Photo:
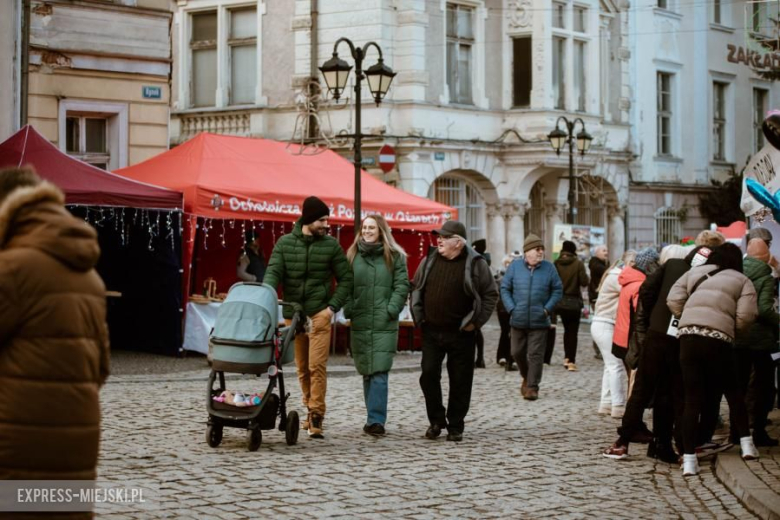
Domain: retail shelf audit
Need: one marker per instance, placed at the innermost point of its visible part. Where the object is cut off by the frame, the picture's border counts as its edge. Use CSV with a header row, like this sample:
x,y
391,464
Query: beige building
x,y
99,78
10,45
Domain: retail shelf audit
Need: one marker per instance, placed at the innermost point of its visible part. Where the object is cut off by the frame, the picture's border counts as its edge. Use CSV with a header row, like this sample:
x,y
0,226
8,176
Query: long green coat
x,y
763,332
378,297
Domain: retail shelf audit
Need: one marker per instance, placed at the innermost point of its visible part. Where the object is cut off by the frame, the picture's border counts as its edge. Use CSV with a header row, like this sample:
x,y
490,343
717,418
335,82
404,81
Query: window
x,y
559,61
719,121
86,139
466,198
664,113
522,71
558,16
663,4
579,75
580,19
460,42
668,228
243,56
203,45
759,109
232,81
716,11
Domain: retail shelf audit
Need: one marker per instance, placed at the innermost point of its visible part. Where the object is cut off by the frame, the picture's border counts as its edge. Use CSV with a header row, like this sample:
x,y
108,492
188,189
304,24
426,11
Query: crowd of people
x,y
676,331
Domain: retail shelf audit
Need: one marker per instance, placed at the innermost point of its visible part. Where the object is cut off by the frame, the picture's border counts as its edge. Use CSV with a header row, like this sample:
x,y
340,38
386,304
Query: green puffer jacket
x,y
763,332
378,298
305,266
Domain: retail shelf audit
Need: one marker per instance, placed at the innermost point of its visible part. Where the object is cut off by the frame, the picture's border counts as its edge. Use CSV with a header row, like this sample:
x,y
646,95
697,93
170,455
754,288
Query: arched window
x,y
534,217
591,201
668,228
466,198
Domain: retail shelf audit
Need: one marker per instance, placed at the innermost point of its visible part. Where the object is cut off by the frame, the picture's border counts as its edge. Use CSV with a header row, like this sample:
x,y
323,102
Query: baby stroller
x,y
246,340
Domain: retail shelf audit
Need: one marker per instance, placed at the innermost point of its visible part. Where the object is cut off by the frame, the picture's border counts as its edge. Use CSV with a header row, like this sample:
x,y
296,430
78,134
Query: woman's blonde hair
x,y
674,251
627,258
385,237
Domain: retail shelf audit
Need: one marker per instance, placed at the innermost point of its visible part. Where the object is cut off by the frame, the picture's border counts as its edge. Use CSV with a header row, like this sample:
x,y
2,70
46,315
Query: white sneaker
x,y
749,451
690,465
502,362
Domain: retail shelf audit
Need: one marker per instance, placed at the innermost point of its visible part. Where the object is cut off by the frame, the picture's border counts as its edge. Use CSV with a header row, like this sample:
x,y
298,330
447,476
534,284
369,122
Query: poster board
x,y
585,237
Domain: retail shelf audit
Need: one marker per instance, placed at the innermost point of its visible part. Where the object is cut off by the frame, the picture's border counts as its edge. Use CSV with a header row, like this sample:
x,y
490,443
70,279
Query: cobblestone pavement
x,y
519,459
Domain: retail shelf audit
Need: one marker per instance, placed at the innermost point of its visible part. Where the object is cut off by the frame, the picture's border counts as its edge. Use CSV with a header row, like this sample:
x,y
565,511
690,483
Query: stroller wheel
x,y
254,437
291,431
213,435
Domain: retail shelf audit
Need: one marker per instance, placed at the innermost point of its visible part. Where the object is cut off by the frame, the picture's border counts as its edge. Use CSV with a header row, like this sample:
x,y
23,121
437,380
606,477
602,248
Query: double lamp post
x,y
558,138
379,76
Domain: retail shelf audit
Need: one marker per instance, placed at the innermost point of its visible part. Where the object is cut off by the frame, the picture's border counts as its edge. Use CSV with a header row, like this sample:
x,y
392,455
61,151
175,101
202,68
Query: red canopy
x,y
81,182
242,178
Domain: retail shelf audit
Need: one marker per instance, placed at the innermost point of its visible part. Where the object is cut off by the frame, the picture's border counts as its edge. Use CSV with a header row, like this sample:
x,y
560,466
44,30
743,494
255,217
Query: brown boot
x,y
531,394
305,424
523,388
315,426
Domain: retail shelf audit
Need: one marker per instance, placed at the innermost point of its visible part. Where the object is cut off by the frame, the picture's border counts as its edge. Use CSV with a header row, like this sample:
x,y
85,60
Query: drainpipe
x,y
25,62
314,72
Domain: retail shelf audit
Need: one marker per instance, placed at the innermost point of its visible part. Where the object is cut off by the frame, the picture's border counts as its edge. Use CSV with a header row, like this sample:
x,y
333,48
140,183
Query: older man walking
x,y
530,289
454,295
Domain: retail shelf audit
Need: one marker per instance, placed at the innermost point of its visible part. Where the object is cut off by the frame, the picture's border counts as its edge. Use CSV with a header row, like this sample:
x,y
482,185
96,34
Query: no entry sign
x,y
387,158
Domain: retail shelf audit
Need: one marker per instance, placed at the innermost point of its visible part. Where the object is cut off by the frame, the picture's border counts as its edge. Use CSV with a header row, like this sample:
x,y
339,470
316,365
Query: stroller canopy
x,y
249,314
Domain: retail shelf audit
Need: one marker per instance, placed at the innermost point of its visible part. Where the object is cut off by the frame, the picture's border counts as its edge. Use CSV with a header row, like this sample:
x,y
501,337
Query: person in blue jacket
x,y
530,289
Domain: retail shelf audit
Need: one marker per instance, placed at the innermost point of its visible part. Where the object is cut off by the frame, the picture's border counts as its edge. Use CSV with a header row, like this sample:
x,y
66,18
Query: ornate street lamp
x,y
558,138
379,76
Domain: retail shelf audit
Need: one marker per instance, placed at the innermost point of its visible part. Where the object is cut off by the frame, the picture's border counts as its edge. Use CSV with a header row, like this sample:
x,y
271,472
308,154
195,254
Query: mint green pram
x,y
247,340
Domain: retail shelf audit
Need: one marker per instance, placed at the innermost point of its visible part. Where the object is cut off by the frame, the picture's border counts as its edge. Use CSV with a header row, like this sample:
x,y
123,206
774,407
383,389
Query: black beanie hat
x,y
569,247
313,209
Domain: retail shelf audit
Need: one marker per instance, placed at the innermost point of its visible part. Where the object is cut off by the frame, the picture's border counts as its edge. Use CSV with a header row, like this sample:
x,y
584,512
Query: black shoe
x,y
480,363
433,431
642,437
455,436
662,451
376,429
761,438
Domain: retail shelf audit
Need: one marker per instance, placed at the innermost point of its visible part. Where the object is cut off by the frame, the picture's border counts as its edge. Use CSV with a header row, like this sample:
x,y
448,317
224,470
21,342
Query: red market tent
x,y
228,177
82,183
237,178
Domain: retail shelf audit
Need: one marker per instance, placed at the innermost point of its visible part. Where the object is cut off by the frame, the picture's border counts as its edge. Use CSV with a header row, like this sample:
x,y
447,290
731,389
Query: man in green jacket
x,y
305,262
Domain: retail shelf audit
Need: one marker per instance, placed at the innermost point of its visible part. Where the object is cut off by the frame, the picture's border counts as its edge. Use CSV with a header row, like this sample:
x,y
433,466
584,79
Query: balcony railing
x,y
235,123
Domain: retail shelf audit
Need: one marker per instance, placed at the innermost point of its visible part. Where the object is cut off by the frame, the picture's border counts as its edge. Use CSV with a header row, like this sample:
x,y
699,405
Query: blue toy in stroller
x,y
247,340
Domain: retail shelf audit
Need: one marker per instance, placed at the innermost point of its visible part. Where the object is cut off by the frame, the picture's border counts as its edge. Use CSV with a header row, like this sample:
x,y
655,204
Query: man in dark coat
x,y
306,262
454,295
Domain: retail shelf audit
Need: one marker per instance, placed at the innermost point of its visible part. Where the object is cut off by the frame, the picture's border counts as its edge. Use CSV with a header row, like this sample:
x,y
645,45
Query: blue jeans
x,y
375,394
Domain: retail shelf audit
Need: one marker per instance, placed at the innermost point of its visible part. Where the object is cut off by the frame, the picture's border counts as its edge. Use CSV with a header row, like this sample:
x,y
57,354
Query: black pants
x,y
708,373
571,327
458,348
760,363
658,379
479,343
504,341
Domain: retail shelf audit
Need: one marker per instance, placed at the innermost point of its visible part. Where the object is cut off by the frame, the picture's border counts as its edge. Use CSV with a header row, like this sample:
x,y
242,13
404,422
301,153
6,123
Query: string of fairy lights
x,y
166,225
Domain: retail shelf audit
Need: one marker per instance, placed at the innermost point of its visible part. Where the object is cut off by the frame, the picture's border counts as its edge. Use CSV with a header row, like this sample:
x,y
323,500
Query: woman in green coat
x,y
381,284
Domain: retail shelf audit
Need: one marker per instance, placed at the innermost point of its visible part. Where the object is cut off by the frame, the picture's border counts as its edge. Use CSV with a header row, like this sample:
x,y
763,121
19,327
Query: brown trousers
x,y
311,358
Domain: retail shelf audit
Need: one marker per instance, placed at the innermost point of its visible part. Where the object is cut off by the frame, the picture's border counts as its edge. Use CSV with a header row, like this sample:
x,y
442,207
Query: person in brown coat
x,y
54,353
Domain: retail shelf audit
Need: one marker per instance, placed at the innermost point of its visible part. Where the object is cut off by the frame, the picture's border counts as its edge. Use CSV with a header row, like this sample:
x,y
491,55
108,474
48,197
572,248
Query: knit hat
x,y
645,257
757,249
313,209
532,242
569,247
762,233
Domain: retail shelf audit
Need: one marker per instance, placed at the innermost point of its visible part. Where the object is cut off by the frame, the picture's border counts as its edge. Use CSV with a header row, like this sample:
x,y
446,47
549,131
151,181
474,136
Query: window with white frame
x,y
759,109
663,4
719,121
580,21
237,43
86,138
460,46
558,64
203,48
668,227
664,113
466,198
559,15
579,75
717,13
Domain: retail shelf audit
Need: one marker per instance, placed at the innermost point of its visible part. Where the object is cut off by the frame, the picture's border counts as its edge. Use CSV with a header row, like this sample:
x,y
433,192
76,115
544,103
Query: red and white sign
x,y
387,158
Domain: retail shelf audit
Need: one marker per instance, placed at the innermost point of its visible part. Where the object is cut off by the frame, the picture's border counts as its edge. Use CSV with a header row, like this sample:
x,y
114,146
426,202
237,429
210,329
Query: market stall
x,y
138,228
236,185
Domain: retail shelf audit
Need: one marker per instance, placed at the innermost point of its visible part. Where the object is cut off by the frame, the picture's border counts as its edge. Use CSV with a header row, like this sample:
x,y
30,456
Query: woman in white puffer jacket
x,y
614,381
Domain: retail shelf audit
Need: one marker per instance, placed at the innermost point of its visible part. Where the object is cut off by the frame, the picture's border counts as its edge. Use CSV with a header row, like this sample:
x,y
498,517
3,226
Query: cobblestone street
x,y
519,459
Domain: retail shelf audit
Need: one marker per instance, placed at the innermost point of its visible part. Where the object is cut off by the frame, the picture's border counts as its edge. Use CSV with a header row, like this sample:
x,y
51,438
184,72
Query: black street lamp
x,y
558,138
379,77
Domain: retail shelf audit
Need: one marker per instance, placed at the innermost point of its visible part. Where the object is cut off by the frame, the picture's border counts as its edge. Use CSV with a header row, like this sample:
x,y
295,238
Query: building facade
x,y
703,77
99,78
480,84
10,67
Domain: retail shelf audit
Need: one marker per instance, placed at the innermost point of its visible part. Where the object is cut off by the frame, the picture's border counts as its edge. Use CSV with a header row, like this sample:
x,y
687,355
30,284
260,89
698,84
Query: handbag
x,y
569,303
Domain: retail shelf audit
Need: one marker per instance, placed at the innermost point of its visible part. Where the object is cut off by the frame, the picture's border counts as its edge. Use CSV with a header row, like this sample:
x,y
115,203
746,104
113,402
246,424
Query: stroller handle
x,y
297,312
